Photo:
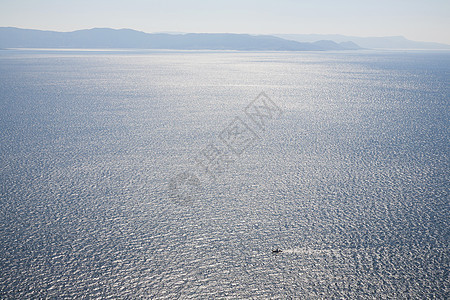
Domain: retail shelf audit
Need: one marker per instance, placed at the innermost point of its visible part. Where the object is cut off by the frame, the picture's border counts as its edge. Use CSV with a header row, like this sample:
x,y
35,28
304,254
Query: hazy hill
x,y
331,45
389,42
11,37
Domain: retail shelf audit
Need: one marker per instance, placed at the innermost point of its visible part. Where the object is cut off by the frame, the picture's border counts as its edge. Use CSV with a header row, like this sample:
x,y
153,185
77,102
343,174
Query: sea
x,y
144,174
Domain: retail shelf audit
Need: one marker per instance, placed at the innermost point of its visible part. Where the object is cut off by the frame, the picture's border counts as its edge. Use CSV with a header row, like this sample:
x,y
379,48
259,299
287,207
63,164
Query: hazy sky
x,y
422,20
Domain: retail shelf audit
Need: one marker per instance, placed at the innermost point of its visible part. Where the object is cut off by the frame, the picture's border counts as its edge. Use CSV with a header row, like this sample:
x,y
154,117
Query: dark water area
x,y
350,178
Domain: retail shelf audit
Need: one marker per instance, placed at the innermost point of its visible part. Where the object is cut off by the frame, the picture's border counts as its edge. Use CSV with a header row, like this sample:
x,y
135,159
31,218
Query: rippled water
x,y
351,181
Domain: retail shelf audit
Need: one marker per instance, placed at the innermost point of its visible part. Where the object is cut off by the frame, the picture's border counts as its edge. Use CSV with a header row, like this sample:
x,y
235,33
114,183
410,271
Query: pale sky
x,y
421,20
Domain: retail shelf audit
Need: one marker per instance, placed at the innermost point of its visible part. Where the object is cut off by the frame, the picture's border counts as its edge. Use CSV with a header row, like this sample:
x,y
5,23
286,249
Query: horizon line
x,y
240,33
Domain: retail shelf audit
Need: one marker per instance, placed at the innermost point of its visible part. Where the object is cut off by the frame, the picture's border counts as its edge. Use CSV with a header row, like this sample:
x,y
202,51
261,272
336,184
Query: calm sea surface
x,y
350,177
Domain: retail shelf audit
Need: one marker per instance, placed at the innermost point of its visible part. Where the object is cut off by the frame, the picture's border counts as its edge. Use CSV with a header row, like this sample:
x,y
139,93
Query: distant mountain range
x,y
388,42
106,38
102,38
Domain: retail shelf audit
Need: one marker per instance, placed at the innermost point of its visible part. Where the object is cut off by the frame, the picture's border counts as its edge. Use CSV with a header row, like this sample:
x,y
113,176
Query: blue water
x,y
351,180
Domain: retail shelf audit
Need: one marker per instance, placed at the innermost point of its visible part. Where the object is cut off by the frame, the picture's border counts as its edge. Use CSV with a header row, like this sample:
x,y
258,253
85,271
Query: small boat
x,y
277,251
